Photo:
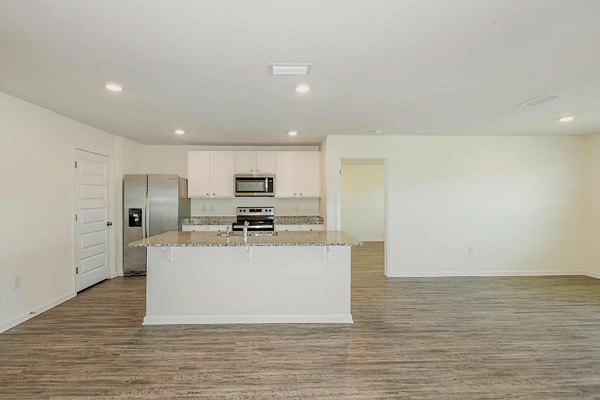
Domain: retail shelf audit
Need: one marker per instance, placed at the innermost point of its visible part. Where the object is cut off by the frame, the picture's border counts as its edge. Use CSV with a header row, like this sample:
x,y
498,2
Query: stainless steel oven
x,y
256,219
255,185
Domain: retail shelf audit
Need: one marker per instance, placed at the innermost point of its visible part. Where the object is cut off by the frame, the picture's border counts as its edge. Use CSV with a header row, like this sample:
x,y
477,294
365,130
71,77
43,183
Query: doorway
x,y
363,202
93,209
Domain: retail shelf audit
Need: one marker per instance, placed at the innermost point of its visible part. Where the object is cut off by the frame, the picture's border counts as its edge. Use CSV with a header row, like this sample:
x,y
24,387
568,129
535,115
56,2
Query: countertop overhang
x,y
284,238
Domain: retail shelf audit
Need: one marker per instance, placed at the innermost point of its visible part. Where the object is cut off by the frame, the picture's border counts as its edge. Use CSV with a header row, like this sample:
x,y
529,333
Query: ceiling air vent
x,y
289,69
541,100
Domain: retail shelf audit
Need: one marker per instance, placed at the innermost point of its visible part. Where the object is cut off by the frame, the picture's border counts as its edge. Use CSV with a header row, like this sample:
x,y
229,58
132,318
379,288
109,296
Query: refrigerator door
x,y
163,204
134,217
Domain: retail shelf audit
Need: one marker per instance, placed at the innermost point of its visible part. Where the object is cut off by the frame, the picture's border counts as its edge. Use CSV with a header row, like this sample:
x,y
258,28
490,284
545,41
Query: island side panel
x,y
262,284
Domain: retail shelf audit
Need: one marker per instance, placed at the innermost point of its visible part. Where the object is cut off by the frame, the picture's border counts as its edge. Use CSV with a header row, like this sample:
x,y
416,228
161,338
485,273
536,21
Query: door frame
x,y
386,205
111,212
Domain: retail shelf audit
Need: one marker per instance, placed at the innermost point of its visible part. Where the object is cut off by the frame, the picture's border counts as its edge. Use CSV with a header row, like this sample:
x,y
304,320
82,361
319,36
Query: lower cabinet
x,y
310,227
204,228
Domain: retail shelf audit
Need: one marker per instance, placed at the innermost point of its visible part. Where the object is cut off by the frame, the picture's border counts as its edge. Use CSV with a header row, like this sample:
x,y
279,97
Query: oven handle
x,y
253,226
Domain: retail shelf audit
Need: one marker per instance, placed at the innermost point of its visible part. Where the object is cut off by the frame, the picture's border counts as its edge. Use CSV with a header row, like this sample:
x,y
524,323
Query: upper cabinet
x,y
255,162
198,164
298,174
308,173
221,173
211,174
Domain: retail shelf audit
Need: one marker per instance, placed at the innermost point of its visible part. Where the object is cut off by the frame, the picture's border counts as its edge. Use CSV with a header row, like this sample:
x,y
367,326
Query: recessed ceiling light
x,y
566,119
179,131
113,87
302,88
292,133
289,69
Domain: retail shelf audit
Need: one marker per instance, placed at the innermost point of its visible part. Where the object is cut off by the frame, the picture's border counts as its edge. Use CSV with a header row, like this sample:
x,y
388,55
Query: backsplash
x,y
219,207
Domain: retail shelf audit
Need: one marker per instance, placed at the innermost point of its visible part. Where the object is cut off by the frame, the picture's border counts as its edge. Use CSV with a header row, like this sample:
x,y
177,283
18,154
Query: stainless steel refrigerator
x,y
152,204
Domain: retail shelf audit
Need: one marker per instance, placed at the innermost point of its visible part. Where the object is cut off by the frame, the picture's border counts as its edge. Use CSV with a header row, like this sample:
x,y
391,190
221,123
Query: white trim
x,y
112,237
19,319
387,256
249,319
452,274
592,274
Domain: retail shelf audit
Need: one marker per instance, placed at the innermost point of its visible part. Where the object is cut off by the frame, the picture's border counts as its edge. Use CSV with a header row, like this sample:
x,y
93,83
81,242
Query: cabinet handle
x,y
294,194
214,194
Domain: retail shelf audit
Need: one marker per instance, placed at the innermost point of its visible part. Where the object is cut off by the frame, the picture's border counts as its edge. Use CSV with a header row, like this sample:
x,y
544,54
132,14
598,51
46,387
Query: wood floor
x,y
436,338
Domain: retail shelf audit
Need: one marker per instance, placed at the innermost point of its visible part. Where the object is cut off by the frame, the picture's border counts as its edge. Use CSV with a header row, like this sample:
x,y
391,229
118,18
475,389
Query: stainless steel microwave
x,y
254,185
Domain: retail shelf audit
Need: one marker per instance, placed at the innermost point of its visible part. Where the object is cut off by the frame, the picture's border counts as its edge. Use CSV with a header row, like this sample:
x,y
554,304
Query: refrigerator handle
x,y
145,219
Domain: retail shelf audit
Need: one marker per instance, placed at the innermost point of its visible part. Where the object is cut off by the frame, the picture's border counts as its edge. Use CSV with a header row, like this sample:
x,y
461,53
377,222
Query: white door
x,y
244,162
265,162
222,166
308,174
198,173
285,174
92,223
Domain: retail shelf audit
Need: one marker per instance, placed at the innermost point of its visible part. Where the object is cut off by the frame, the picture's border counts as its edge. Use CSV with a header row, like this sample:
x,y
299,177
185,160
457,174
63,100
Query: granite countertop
x,y
279,220
203,239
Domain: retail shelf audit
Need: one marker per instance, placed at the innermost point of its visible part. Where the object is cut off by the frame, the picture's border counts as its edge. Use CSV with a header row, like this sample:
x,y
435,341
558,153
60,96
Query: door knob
x,y
109,223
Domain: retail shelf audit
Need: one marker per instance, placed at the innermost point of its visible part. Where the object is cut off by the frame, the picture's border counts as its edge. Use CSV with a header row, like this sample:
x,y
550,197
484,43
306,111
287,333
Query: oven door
x,y
255,226
253,186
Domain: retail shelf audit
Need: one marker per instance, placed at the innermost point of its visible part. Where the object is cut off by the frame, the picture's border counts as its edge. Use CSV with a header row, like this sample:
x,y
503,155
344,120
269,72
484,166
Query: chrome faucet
x,y
246,223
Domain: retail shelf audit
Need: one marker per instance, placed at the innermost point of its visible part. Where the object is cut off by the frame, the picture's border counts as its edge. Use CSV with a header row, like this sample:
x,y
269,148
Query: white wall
x,y
173,160
593,207
282,206
363,198
37,206
517,201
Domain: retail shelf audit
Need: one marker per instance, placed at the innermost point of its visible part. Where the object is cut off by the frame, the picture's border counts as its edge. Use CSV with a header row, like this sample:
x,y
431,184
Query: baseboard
x,y
592,274
248,319
19,319
483,274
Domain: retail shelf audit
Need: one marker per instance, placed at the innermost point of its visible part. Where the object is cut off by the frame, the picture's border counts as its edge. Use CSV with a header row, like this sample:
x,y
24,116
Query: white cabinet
x,y
252,162
218,228
308,173
308,227
194,228
204,228
222,174
265,162
198,164
211,174
298,174
285,174
286,227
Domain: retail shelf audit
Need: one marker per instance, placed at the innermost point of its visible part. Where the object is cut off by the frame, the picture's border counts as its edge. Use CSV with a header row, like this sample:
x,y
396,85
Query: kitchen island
x,y
208,278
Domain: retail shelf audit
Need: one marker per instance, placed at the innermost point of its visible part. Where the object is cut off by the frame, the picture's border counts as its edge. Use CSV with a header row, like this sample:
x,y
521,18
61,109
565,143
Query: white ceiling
x,y
405,67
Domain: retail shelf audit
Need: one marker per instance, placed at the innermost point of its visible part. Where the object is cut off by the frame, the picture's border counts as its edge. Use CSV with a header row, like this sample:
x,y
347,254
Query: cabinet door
x,y
286,227
218,228
244,162
285,174
265,162
222,165
198,173
308,173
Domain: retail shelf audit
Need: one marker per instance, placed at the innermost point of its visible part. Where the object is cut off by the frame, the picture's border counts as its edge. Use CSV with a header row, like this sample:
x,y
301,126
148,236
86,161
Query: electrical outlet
x,y
470,250
204,207
18,282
